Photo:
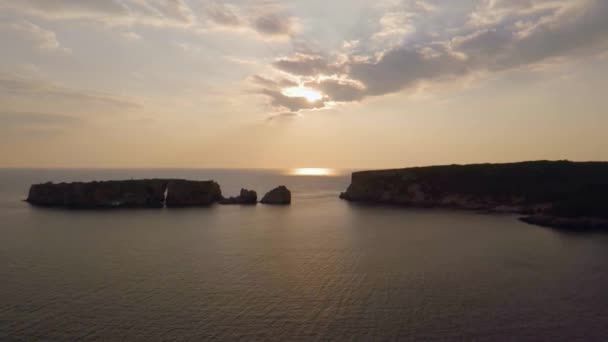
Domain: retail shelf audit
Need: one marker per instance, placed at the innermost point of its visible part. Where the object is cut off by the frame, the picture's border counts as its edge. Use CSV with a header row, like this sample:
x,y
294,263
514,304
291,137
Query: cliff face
x,y
185,193
109,194
147,193
568,189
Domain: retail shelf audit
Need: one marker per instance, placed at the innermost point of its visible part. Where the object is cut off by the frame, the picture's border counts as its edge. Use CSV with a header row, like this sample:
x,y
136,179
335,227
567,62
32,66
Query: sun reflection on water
x,y
311,171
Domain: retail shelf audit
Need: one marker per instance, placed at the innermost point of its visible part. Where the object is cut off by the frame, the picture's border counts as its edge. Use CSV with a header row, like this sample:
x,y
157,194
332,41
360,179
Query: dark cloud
x,y
564,32
267,20
274,24
282,117
339,90
273,89
293,104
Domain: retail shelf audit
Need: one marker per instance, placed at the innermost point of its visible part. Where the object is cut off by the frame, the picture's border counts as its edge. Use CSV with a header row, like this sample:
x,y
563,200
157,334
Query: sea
x,y
321,269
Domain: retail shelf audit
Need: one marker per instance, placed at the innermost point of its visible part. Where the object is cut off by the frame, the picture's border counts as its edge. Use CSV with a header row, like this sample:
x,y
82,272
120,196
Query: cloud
x,y
109,12
29,119
133,36
69,9
306,65
42,39
36,125
293,104
395,28
275,24
339,90
264,20
526,32
274,90
223,14
272,84
493,12
281,117
15,87
267,20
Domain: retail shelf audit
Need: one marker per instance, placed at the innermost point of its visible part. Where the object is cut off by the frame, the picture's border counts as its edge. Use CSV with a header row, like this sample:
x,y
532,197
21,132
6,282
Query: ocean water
x,y
320,269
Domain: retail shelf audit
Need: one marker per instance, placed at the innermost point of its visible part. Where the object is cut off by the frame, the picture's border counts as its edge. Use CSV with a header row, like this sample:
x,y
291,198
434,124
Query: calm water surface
x,y
321,269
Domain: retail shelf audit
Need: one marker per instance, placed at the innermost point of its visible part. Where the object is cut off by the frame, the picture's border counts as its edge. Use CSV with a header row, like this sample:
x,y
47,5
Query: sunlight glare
x,y
311,171
309,94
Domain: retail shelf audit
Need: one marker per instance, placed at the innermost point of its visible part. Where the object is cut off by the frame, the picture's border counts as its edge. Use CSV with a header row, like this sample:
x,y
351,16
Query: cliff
x,y
146,193
185,193
547,189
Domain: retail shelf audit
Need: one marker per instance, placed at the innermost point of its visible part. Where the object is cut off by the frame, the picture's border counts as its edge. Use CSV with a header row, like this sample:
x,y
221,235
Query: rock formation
x,y
280,195
146,193
186,193
573,223
542,189
245,197
149,193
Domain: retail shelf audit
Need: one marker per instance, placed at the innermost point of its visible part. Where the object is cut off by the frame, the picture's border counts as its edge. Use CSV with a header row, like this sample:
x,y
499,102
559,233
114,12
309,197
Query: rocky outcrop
x,y
146,193
109,194
279,196
186,193
571,223
558,189
245,197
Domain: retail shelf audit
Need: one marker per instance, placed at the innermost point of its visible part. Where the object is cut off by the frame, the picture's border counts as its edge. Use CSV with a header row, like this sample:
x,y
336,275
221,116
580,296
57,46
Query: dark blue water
x,y
321,269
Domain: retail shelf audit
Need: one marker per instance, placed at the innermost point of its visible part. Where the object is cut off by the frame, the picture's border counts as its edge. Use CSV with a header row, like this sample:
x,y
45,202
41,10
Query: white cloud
x,y
41,38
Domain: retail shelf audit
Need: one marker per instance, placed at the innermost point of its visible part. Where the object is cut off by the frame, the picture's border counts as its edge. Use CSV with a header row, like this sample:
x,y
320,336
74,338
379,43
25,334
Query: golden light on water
x,y
312,171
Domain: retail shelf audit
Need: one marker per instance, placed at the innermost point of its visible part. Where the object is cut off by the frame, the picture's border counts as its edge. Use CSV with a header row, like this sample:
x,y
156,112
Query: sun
x,y
309,94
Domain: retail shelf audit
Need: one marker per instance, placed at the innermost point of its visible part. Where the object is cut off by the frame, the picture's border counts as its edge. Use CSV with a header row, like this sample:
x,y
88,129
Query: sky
x,y
285,84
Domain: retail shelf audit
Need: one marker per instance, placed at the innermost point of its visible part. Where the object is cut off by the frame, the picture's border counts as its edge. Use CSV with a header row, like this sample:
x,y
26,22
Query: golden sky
x,y
282,84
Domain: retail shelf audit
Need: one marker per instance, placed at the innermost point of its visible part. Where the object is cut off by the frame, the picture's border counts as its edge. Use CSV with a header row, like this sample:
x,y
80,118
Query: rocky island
x,y
559,194
277,196
245,197
144,193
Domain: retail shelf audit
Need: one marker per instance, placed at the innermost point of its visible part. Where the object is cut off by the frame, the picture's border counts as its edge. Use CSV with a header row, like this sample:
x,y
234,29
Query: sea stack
x,y
278,196
245,197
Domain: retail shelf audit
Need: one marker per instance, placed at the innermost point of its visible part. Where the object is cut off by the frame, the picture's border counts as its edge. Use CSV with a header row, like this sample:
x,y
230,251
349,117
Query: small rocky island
x,y
144,193
277,196
561,194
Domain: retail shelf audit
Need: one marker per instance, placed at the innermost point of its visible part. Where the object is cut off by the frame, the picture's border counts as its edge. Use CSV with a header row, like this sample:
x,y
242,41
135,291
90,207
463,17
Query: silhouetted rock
x,y
185,193
148,193
553,190
279,195
569,223
245,197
